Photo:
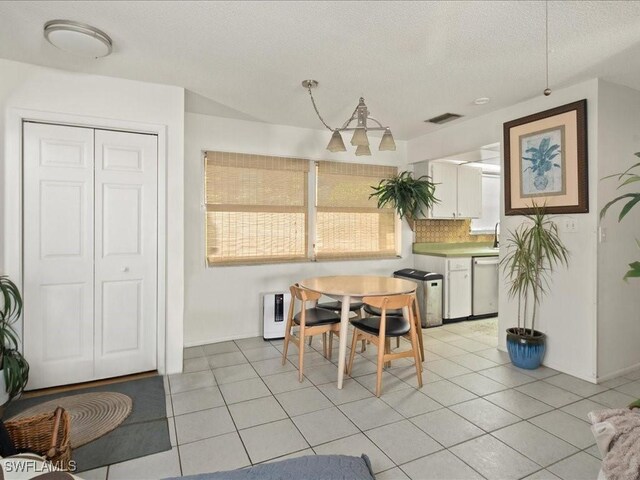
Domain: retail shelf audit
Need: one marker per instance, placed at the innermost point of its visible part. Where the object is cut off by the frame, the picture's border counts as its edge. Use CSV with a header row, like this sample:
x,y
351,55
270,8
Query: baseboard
x,y
483,316
240,336
618,373
561,370
572,373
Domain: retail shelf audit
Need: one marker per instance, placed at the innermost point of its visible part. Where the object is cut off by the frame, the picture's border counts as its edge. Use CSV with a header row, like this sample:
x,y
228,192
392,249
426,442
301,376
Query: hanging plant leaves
x,y
409,196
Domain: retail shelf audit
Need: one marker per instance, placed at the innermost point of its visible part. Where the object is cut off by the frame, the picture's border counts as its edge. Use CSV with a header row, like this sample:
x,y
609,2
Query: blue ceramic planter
x,y
526,351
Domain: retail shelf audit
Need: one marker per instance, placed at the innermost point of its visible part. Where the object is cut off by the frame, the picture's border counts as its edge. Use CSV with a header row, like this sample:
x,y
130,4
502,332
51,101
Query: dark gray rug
x,y
144,432
309,467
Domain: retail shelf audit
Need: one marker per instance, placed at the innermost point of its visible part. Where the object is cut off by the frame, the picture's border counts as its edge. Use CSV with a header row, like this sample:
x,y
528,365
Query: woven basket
x,y
46,434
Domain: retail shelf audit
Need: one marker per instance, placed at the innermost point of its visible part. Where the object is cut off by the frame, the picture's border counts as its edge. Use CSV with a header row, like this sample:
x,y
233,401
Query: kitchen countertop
x,y
468,249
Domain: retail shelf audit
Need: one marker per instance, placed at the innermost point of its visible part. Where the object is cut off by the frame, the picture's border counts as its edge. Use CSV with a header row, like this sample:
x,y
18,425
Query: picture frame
x,y
545,161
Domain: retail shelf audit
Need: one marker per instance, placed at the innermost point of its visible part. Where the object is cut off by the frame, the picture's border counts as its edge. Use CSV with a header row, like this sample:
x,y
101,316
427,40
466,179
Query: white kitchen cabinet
x,y
457,282
469,192
458,189
445,175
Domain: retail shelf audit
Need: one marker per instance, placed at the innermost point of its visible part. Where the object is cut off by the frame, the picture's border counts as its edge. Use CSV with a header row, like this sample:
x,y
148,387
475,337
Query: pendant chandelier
x,y
359,139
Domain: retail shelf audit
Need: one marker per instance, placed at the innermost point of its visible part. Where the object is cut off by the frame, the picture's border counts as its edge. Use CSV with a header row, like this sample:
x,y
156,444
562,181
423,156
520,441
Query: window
x,y
256,208
348,222
490,205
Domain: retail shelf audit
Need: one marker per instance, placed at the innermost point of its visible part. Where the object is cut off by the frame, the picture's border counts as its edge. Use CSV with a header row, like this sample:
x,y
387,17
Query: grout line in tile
x,y
175,429
283,409
360,431
552,434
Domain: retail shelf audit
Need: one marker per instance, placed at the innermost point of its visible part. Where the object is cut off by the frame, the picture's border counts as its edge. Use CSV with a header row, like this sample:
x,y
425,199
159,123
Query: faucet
x,y
495,236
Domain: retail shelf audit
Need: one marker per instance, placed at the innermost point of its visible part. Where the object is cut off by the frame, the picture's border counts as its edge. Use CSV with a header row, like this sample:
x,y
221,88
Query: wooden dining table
x,y
348,288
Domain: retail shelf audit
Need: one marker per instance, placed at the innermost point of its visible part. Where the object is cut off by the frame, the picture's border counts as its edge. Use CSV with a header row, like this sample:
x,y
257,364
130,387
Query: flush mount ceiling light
x,y
481,100
78,38
359,139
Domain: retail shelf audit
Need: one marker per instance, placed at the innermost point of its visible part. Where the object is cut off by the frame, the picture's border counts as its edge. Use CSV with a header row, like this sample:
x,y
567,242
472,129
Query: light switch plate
x,y
568,225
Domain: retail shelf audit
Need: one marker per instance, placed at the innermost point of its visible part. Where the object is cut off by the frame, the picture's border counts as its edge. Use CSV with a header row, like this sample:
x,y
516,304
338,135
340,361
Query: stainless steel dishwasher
x,y
485,287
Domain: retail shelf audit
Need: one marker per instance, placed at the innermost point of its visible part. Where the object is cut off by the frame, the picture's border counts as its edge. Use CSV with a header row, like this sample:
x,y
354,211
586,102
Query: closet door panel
x,y
58,253
126,253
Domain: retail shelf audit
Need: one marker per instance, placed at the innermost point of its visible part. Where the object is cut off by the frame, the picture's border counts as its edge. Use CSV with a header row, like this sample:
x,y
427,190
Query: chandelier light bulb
x,y
336,144
387,142
360,137
363,150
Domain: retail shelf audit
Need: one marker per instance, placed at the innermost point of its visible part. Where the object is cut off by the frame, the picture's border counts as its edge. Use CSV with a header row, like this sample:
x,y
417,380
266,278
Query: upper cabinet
x,y
458,189
469,192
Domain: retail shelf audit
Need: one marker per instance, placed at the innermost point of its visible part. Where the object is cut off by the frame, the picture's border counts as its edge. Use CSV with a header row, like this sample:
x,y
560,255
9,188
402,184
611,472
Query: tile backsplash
x,y
451,231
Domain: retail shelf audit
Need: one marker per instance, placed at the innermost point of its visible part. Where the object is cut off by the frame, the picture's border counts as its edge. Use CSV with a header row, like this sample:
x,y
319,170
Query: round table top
x,y
358,285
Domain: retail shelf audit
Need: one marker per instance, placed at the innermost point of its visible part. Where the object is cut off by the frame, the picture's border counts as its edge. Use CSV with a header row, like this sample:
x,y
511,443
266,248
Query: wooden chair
x,y
336,307
397,312
379,329
311,321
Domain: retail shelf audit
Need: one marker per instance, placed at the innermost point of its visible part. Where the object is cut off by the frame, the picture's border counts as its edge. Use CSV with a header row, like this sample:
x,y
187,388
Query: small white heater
x,y
276,308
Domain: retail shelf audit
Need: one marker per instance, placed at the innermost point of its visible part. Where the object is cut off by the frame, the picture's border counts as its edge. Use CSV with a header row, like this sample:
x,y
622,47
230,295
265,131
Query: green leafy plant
x,y
626,178
14,365
409,196
534,249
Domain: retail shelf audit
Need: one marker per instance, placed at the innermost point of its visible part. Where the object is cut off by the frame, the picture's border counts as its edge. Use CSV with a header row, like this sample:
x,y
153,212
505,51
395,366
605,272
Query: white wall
x,y
223,302
618,301
568,313
95,100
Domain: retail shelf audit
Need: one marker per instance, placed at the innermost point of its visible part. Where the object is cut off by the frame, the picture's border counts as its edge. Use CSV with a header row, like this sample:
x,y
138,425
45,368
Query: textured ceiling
x,y
410,60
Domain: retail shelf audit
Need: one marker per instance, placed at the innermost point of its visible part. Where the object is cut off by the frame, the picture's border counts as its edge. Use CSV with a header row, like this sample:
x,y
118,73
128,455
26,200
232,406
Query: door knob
x,y
125,269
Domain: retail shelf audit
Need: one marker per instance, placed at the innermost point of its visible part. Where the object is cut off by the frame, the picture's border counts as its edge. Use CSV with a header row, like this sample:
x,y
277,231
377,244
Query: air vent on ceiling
x,y
444,118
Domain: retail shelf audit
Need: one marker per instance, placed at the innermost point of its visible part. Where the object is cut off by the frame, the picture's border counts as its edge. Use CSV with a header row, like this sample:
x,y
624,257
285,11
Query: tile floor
x,y
475,417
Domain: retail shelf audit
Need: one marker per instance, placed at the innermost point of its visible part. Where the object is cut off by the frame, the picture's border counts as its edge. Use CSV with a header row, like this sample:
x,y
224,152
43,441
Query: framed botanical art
x,y
545,161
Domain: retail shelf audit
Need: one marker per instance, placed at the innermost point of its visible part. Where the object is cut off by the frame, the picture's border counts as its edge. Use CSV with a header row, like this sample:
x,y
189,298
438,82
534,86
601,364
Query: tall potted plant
x,y
409,196
14,369
534,249
628,177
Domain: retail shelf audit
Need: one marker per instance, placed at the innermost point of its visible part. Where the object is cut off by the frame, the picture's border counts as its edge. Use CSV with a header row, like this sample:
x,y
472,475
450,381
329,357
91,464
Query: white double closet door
x,y
90,253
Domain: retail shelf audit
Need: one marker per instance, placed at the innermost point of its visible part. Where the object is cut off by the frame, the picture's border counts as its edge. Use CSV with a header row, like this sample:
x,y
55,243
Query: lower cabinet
x,y
457,282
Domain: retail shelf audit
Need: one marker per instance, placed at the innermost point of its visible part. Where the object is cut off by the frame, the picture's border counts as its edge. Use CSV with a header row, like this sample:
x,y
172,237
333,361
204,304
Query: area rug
x,y
485,327
92,414
143,432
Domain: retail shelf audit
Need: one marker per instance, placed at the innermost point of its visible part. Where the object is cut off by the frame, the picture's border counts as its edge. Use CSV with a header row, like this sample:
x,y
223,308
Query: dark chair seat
x,y
396,326
376,312
337,306
317,316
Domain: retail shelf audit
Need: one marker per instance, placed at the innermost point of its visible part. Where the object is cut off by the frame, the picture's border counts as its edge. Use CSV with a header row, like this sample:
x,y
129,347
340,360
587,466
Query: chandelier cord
x,y
546,22
316,109
353,115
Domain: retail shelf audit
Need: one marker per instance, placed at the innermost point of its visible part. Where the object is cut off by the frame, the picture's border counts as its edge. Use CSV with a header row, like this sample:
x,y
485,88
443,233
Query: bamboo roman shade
x,y
348,223
256,208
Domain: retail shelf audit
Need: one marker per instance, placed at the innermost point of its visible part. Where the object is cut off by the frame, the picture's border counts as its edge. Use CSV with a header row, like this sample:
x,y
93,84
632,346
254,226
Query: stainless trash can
x,y
429,293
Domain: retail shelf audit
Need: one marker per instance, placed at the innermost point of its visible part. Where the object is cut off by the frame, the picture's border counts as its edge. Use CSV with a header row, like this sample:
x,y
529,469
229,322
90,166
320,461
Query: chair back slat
x,y
303,294
389,302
